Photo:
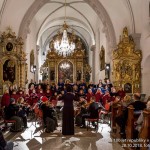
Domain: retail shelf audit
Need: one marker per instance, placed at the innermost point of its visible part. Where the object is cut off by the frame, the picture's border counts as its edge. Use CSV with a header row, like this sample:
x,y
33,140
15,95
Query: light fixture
x,y
107,66
34,68
64,45
107,71
65,65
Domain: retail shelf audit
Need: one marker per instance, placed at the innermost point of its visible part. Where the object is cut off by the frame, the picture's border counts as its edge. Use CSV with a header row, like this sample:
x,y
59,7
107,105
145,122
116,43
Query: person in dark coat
x,y
4,145
92,112
68,112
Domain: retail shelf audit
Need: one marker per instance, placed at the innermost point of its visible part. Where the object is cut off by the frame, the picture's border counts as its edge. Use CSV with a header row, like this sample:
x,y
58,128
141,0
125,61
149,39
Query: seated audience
x,y
139,122
122,119
126,101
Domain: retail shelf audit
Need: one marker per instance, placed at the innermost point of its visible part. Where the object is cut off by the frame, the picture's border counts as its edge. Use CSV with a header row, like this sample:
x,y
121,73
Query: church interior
x,y
97,50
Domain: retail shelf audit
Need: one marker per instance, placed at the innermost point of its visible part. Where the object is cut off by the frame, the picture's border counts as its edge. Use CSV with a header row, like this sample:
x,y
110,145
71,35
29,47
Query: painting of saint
x,y
128,88
102,58
65,71
52,75
9,71
79,74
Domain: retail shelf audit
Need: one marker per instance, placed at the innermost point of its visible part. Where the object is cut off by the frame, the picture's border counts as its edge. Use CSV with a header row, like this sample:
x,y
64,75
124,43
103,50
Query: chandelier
x,y
65,66
64,45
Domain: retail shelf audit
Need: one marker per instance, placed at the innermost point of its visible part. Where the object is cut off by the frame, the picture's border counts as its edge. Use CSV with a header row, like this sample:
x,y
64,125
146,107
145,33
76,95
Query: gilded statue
x,y
79,44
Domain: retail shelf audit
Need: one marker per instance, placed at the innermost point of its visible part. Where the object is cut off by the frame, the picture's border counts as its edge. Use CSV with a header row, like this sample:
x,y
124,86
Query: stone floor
x,y
34,138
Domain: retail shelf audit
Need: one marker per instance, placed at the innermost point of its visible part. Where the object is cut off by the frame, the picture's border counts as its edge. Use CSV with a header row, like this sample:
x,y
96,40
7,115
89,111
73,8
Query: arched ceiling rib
x,y
2,6
33,6
94,5
53,30
59,11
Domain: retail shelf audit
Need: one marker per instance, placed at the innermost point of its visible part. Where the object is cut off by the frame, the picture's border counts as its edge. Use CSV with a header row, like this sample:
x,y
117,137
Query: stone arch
x,y
95,4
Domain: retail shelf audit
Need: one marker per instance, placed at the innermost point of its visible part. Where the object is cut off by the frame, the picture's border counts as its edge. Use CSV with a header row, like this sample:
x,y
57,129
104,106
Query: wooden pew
x,y
130,123
145,130
116,111
132,118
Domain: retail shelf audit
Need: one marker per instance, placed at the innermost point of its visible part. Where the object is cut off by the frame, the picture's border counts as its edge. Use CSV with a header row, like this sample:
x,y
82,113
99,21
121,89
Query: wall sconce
x,y
34,68
107,71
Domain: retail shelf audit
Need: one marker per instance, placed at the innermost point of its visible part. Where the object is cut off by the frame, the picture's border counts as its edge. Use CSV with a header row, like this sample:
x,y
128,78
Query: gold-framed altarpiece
x,y
75,61
127,64
13,66
78,70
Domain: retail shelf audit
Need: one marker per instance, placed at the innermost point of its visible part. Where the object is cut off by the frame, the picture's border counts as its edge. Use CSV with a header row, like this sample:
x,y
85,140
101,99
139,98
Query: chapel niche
x,y
78,67
127,64
13,61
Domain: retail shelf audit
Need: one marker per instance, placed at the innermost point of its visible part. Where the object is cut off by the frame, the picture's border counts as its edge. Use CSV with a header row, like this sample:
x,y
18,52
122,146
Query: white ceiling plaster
x,y
89,12
49,17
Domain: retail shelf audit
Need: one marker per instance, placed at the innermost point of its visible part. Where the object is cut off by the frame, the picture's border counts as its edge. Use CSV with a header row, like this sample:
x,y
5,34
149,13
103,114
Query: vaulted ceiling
x,y
84,16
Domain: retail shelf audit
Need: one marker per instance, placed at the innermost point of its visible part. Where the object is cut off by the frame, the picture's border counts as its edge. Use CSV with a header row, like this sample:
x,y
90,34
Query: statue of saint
x,y
87,76
32,58
125,32
102,58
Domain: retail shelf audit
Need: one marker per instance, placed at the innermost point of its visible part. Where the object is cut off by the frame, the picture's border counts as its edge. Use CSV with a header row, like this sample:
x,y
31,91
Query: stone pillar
x,y
37,63
136,38
93,48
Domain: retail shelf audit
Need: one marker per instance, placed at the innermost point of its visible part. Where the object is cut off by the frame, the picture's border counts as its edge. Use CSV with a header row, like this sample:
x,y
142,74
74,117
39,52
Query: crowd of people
x,y
80,100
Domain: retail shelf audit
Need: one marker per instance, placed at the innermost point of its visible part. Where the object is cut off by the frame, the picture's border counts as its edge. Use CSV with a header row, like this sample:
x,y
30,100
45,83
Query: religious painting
x,y
79,75
65,71
32,60
52,75
102,58
128,88
9,46
9,71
